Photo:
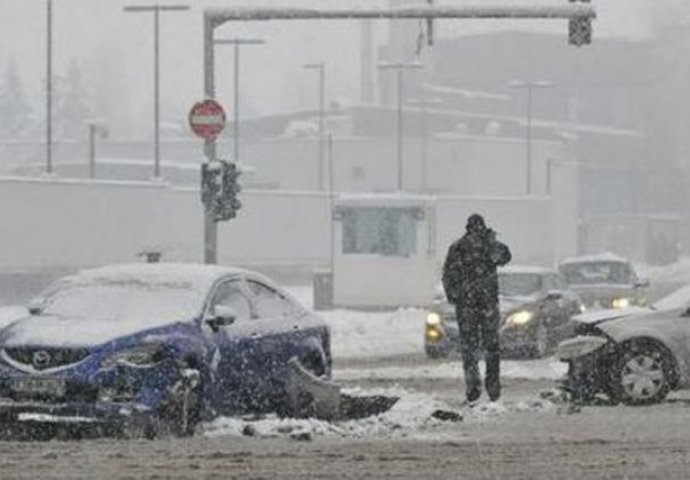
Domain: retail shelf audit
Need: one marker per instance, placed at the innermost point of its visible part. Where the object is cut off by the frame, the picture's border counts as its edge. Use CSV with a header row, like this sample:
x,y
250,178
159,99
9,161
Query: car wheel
x,y
640,374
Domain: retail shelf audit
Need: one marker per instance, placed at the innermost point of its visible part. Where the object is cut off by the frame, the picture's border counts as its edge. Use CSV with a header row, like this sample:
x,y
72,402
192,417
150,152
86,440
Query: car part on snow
x,y
312,396
309,395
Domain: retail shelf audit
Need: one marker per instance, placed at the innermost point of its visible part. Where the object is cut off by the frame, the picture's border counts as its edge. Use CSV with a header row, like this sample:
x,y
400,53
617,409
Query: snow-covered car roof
x,y
525,269
600,257
197,277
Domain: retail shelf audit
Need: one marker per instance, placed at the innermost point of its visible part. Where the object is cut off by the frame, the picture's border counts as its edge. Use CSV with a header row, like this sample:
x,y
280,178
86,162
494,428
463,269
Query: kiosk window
x,y
383,231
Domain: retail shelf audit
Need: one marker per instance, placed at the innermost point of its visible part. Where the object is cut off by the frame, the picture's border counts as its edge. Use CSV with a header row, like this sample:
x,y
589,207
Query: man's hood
x,y
54,331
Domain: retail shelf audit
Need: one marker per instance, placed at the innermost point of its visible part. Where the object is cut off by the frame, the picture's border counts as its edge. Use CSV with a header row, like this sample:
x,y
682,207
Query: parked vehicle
x,y
604,281
154,348
636,357
535,311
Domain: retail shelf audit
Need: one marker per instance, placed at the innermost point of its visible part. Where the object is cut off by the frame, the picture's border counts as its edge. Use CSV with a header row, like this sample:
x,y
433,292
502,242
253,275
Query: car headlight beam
x,y
433,319
521,317
621,302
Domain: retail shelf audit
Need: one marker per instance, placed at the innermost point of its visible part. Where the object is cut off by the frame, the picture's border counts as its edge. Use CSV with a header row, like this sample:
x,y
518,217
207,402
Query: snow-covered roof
x,y
197,277
599,257
524,269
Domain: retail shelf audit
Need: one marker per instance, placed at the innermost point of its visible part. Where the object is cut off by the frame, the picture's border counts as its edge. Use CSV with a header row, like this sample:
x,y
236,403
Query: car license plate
x,y
46,386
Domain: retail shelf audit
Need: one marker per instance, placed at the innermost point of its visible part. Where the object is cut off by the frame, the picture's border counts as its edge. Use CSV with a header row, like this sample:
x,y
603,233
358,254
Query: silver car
x,y
636,357
535,314
604,281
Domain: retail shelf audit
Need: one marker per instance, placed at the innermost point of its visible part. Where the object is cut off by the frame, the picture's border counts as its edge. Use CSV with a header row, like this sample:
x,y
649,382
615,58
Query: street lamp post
x,y
156,9
95,128
529,86
49,87
321,69
236,43
424,135
399,68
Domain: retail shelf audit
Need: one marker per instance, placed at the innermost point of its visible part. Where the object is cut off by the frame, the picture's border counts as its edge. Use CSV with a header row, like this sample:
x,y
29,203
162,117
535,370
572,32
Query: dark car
x,y
535,313
636,357
604,281
153,348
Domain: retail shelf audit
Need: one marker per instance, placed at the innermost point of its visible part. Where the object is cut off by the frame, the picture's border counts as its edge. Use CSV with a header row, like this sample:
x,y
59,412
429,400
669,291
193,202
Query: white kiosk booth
x,y
384,251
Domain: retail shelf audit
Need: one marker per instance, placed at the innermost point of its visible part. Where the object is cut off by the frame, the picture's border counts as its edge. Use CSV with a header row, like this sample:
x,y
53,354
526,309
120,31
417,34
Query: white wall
x,y
59,223
50,223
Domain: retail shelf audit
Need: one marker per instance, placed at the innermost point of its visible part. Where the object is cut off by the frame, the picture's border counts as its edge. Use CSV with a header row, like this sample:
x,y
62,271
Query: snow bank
x,y
544,369
411,416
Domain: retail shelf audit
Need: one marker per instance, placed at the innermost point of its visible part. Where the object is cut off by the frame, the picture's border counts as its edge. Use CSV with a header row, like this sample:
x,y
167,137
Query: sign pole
x,y
210,227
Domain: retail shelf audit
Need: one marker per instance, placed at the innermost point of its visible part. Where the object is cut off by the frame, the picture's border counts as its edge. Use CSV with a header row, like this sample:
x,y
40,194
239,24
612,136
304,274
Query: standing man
x,y
471,283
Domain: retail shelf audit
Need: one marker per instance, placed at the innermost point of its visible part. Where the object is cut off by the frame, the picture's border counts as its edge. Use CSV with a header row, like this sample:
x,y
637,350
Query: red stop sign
x,y
207,119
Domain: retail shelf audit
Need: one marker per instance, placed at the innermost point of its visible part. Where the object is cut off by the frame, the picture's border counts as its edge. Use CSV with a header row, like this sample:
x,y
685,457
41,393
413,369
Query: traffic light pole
x,y
210,226
215,17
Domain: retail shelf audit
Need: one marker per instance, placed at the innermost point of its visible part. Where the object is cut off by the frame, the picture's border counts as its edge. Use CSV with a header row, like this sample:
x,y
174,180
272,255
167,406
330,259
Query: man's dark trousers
x,y
478,324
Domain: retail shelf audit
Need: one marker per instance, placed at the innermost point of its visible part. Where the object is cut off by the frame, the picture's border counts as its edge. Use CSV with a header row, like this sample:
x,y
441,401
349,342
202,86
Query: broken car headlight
x,y
579,346
519,318
141,356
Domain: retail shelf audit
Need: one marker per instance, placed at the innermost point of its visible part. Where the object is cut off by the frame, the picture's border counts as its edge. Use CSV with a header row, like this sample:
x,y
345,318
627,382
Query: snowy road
x,y
523,436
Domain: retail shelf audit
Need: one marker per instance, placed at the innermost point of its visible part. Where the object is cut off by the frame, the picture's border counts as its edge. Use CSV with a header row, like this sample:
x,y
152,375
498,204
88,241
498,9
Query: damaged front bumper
x,y
588,368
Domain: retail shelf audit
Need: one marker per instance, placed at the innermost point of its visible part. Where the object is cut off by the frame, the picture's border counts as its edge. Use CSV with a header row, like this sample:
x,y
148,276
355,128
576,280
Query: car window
x,y
231,295
519,284
268,303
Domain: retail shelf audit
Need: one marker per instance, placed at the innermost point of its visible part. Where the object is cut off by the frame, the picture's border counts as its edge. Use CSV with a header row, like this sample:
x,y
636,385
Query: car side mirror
x,y
222,316
34,308
642,283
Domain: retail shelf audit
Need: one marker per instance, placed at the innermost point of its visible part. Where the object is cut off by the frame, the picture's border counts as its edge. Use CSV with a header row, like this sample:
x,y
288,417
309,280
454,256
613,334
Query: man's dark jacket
x,y
469,272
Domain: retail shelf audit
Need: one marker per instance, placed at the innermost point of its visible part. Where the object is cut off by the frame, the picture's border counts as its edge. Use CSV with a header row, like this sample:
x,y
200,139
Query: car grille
x,y
42,358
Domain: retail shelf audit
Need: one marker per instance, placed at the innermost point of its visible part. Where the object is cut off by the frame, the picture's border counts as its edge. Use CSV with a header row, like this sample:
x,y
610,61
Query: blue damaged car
x,y
154,348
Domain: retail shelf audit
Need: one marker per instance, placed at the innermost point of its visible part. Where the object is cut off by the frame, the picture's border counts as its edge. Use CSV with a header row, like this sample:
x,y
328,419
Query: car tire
x,y
641,374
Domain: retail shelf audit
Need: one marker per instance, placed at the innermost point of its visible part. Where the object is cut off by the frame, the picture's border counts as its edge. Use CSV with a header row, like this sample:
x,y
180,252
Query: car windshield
x,y
518,284
593,273
122,301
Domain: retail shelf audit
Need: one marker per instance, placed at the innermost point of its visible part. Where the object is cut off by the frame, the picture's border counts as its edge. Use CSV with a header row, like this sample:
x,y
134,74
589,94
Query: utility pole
x,y
424,138
49,87
321,69
156,10
236,43
529,86
399,69
95,128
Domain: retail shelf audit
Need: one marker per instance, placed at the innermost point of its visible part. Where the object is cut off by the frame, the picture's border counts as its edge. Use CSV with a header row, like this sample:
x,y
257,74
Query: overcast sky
x,y
115,49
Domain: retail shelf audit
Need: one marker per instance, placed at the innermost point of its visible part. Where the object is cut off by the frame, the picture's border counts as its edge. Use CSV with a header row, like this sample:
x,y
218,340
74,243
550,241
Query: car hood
x,y
54,331
506,304
509,303
655,324
598,316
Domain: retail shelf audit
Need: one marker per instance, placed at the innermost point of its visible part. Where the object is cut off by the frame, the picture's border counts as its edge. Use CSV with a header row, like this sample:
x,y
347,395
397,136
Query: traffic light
x,y
580,28
229,204
219,189
210,183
